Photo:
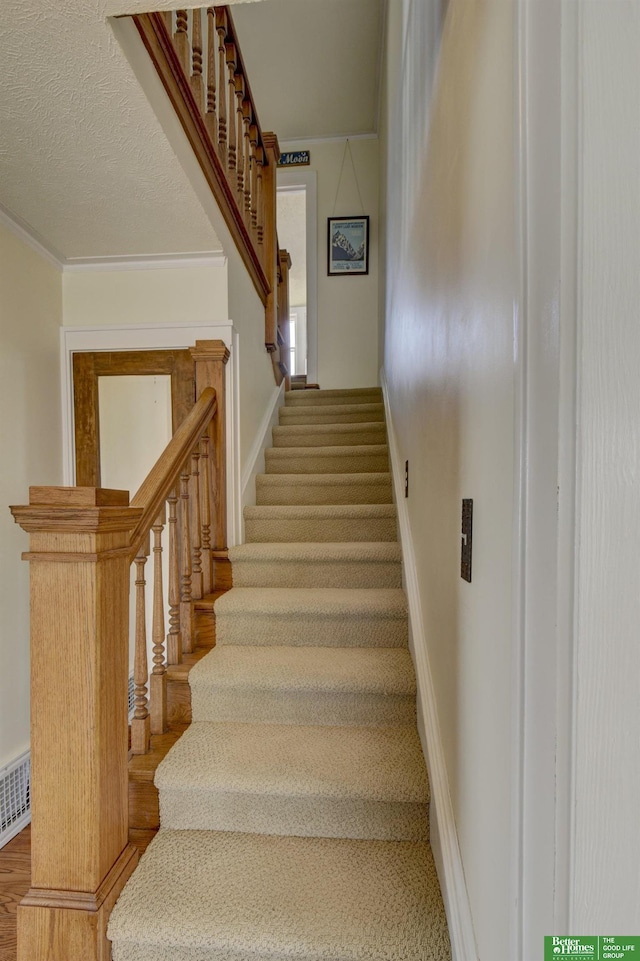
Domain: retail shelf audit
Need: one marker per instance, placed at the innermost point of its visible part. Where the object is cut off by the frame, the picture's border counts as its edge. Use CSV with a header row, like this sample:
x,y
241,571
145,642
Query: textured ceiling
x,y
83,160
84,163
313,65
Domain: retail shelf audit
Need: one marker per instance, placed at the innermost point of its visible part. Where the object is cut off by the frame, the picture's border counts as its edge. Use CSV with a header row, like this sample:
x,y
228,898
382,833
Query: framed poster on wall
x,y
348,246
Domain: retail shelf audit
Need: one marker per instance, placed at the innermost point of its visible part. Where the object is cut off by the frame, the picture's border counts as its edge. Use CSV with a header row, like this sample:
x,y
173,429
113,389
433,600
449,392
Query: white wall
x,y
605,889
257,382
30,453
348,333
449,360
177,295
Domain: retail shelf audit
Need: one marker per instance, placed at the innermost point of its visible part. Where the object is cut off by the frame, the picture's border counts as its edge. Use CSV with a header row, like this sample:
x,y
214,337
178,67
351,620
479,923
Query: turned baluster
x,y
259,194
231,127
140,723
186,610
174,637
246,118
210,117
197,83
196,528
239,89
205,507
158,679
253,141
221,28
181,39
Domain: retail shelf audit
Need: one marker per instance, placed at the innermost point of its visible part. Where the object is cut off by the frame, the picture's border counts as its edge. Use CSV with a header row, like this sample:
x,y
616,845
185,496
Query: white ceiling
x,y
313,65
84,163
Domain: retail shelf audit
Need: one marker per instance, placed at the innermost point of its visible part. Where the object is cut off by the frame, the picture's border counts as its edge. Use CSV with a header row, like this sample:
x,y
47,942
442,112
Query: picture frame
x,y
348,246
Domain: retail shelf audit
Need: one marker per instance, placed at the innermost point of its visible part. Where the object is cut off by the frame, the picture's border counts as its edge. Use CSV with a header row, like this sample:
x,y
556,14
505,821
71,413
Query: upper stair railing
x,y
198,58
83,541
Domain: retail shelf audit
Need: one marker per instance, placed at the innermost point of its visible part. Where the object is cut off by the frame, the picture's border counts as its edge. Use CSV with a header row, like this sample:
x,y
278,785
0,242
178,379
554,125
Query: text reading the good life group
x,y
596,948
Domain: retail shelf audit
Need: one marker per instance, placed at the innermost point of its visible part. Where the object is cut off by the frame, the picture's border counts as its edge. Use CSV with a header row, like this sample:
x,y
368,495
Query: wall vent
x,y
15,797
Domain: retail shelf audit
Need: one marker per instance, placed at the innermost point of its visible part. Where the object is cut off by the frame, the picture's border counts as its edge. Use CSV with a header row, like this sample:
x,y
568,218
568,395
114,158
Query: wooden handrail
x,y
162,477
201,67
189,67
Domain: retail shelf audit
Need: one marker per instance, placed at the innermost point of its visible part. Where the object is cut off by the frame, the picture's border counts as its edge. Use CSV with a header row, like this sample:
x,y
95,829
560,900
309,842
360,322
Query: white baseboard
x,y
444,837
255,460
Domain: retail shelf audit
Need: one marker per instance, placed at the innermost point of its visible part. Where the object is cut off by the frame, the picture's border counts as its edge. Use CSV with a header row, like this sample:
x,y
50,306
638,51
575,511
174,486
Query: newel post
x,y
81,859
210,358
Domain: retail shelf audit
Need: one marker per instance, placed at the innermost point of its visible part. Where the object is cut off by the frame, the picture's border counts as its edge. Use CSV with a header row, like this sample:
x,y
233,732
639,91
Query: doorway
x,y
297,233
129,386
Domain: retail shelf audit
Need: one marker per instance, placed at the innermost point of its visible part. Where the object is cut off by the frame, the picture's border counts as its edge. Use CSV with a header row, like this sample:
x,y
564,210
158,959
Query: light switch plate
x,y
466,539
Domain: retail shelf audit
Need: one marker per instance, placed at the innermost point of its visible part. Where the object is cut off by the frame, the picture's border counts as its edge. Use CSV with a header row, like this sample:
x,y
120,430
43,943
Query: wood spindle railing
x,y
208,85
141,721
197,81
239,95
174,637
186,610
212,49
221,30
205,507
83,541
196,528
230,56
158,679
181,39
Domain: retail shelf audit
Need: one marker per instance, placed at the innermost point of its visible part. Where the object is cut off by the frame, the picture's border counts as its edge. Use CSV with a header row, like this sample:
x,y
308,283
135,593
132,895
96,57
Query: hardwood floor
x,y
15,877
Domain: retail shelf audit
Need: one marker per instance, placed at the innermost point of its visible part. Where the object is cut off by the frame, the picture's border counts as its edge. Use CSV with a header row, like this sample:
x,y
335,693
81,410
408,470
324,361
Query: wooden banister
x,y
206,80
82,543
160,481
215,123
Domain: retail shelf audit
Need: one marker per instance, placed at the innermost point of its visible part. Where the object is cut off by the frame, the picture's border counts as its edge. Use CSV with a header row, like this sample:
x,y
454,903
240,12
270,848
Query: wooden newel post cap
x,y
210,350
80,509
77,497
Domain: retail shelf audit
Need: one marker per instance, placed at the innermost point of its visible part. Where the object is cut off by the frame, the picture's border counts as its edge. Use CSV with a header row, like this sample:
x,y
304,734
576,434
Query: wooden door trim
x,y
88,366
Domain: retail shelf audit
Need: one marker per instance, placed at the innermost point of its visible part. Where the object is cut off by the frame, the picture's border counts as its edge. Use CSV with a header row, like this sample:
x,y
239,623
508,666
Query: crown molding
x,y
310,141
145,262
21,229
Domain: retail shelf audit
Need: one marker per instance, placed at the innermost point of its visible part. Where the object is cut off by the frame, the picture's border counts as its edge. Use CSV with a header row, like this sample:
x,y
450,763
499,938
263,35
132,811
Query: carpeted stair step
x,y
305,685
357,459
329,414
308,781
364,564
323,523
312,617
221,896
333,398
328,435
290,489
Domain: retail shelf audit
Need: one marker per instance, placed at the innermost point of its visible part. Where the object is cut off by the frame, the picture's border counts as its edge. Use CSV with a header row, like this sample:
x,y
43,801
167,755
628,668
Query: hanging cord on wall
x,y
347,146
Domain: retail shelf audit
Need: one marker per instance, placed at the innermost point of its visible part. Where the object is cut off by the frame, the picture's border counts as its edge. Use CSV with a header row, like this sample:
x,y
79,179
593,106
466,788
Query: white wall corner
x,y
443,833
255,460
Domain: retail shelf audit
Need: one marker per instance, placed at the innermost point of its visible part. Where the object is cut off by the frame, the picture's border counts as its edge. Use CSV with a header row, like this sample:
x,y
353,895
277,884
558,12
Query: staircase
x,y
294,809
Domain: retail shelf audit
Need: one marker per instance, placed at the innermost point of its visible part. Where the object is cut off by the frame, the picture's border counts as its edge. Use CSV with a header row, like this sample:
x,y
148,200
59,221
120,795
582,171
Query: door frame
x,y
156,337
304,179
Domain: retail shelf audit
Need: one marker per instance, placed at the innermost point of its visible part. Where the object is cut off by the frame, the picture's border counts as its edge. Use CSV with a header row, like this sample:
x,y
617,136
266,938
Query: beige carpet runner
x,y
294,810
